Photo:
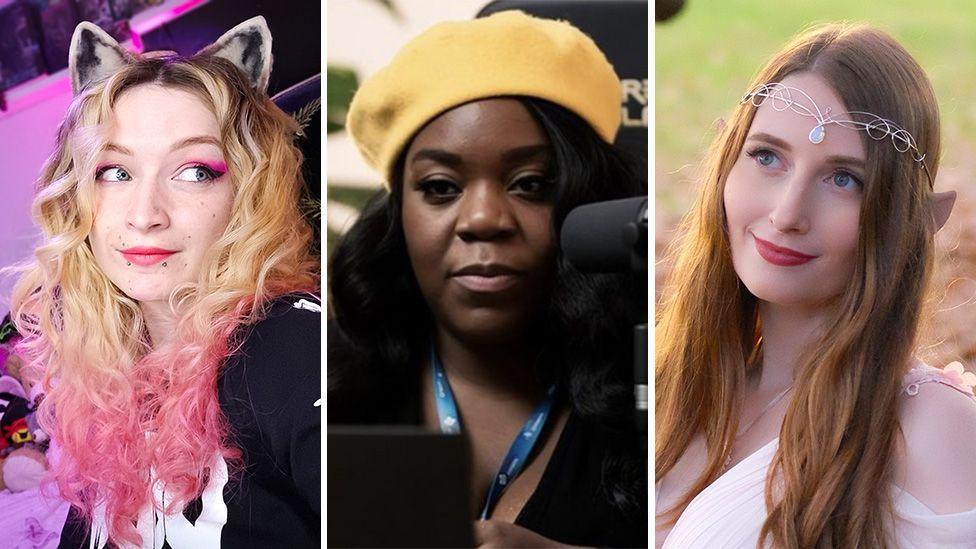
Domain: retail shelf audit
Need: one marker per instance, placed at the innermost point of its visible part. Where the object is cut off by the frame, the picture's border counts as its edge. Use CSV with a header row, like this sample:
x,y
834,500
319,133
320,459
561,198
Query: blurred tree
x,y
341,86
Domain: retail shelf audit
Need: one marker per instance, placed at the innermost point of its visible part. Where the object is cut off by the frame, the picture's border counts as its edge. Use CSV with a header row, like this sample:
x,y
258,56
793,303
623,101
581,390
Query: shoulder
x,y
937,461
289,325
270,390
282,350
291,314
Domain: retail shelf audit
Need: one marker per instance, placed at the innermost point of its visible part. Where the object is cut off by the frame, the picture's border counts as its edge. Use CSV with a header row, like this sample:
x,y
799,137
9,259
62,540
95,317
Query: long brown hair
x,y
833,465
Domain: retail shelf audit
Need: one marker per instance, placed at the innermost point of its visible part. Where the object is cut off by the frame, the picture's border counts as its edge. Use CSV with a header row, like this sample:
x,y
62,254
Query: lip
x,y
145,255
487,277
779,255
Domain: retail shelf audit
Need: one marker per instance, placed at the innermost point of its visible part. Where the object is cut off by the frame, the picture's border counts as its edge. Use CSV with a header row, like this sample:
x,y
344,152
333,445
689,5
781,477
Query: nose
x,y
147,211
789,213
485,213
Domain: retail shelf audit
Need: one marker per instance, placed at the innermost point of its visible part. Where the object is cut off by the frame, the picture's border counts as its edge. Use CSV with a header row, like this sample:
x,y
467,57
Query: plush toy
x,y
14,408
22,441
14,366
8,339
23,469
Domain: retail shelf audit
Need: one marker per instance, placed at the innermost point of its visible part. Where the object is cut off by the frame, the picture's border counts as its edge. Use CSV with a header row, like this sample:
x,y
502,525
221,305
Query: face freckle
x,y
793,206
477,218
147,219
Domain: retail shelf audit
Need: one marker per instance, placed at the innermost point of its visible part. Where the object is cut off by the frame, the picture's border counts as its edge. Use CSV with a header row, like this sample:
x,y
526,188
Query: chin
x,y
490,327
805,286
791,294
145,292
145,297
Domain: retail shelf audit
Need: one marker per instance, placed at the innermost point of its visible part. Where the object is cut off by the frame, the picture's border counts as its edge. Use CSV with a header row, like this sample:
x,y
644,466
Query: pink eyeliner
x,y
219,168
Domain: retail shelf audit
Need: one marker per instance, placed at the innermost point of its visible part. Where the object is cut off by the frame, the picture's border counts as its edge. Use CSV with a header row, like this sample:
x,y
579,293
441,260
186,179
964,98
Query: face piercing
x,y
128,264
164,263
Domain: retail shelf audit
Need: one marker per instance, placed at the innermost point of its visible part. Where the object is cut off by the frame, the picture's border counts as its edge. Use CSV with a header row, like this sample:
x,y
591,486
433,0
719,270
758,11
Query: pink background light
x,y
154,18
27,132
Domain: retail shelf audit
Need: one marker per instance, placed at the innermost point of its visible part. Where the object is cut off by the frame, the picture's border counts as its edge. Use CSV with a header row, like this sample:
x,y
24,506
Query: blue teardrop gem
x,y
817,135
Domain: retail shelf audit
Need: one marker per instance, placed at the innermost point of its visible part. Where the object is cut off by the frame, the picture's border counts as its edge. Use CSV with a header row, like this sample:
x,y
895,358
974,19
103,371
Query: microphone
x,y
607,236
612,237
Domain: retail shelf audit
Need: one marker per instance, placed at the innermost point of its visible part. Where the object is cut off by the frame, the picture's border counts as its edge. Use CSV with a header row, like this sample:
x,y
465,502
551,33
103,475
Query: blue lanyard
x,y
521,447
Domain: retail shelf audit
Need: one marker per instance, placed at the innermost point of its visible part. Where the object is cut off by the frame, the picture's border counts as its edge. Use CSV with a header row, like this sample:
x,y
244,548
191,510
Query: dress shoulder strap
x,y
952,375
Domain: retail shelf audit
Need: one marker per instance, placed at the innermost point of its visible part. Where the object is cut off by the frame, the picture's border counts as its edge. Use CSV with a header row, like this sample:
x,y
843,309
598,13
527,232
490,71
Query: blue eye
x,y
764,157
196,174
845,180
112,174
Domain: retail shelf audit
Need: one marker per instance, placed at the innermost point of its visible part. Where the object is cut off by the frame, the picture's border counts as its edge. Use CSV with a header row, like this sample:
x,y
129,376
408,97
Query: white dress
x,y
730,512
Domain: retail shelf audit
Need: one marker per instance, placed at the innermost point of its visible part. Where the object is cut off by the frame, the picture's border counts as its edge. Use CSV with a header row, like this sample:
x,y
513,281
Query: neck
x,y
160,320
786,331
497,370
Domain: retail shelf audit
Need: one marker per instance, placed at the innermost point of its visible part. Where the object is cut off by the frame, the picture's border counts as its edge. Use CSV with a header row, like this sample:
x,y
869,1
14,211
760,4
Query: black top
x,y
571,503
269,391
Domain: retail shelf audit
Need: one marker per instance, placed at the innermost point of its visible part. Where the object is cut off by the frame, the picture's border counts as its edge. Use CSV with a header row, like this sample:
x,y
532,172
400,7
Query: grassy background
x,y
705,58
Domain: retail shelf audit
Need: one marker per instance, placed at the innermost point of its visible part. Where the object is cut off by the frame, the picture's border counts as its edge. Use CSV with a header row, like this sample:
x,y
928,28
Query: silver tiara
x,y
877,127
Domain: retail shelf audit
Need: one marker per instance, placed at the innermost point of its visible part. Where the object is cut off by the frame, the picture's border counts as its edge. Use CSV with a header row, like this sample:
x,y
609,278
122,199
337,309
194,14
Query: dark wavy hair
x,y
587,321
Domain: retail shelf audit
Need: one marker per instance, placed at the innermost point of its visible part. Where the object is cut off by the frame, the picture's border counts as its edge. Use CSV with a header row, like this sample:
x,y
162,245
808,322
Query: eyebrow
x,y
836,159
181,144
196,140
771,139
525,152
118,149
841,160
437,155
453,160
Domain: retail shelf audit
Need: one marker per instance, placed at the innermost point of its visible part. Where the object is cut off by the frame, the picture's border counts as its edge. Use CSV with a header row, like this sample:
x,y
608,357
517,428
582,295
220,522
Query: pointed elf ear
x,y
720,125
248,46
93,56
941,205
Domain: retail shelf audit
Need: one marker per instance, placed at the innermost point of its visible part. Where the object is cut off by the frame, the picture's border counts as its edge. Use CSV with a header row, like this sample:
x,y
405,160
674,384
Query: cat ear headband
x,y
784,97
94,55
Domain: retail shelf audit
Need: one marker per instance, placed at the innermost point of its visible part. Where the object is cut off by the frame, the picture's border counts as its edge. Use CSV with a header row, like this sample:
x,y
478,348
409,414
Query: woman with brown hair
x,y
790,409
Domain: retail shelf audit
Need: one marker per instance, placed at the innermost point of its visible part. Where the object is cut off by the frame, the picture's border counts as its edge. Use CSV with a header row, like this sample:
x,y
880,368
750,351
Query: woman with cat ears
x,y
170,309
790,408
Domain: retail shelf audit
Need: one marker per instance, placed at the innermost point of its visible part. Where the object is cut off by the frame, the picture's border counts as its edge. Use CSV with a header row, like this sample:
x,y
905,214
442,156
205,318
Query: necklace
x,y
775,400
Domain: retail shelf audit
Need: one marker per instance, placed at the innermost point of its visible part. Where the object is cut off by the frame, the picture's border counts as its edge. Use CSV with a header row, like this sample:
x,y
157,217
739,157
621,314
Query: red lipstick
x,y
778,255
145,255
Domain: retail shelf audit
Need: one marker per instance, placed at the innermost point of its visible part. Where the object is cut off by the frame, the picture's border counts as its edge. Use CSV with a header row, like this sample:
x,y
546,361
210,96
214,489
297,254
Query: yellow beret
x,y
508,53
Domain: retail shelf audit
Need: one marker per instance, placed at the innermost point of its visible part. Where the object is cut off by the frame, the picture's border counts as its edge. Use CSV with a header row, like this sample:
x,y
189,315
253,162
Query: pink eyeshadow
x,y
219,167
